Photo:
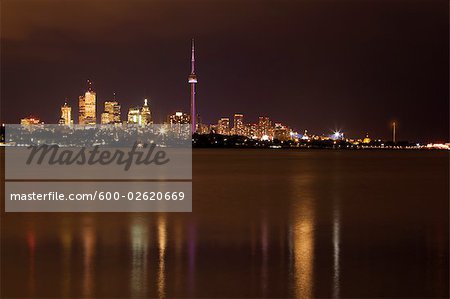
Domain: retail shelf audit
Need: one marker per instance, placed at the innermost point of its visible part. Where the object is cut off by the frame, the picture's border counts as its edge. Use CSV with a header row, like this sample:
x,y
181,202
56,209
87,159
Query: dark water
x,y
265,224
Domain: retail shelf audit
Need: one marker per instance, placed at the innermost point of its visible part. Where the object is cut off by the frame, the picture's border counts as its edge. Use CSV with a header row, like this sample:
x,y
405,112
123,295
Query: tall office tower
x,y
223,126
146,114
179,118
112,112
107,116
116,113
81,110
251,131
87,104
264,130
201,127
66,115
238,127
134,116
192,79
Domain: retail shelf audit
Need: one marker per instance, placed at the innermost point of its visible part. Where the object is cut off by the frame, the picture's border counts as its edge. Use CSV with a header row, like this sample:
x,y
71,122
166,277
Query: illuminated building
x,y
104,118
213,128
146,114
281,132
294,136
192,79
178,118
140,116
66,115
180,122
81,110
112,112
198,123
238,126
305,135
30,120
367,139
440,146
87,104
203,128
252,131
223,126
264,128
134,116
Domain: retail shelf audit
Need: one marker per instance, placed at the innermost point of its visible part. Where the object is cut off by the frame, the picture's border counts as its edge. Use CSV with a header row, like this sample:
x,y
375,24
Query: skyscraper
x,y
238,127
66,115
223,126
112,112
81,110
146,114
134,116
87,104
192,79
264,128
179,118
252,131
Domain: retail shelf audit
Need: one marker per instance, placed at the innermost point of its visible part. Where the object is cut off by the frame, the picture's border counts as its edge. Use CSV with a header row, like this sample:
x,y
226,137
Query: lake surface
x,y
265,223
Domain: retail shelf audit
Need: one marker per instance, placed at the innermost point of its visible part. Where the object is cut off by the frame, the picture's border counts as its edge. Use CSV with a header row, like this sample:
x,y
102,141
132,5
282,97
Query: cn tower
x,y
192,79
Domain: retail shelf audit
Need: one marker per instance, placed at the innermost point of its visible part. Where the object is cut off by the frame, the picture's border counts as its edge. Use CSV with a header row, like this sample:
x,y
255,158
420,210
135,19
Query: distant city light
x,y
162,131
438,146
337,135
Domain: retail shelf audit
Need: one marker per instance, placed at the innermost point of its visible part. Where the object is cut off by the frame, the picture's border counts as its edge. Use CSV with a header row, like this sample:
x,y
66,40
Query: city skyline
x,y
298,69
264,129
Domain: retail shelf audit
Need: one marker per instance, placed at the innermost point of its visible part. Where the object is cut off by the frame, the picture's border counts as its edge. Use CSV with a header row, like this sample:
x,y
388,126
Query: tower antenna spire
x,y
193,58
89,85
192,79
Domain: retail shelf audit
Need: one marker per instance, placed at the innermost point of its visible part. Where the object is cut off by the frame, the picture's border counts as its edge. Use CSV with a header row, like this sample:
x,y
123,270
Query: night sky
x,y
316,65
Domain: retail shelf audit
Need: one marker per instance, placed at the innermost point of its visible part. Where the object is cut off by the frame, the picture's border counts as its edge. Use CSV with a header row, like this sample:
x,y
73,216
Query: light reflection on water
x,y
66,242
303,234
162,244
192,247
336,253
139,236
322,229
88,236
336,193
265,254
178,247
31,244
